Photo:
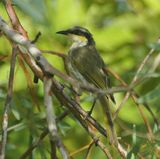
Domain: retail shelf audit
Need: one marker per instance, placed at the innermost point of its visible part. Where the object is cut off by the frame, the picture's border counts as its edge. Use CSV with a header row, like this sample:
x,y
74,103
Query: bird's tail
x,y
105,104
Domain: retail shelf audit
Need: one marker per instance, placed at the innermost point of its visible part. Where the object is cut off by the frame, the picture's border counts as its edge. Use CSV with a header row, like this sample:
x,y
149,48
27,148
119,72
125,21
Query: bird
x,y
86,65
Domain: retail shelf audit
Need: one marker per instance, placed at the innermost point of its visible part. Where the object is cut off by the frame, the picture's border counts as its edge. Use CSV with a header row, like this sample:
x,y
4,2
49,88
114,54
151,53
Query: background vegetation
x,y
124,32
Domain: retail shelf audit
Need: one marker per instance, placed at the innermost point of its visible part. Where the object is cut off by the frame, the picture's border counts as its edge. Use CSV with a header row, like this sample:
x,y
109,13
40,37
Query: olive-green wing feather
x,y
88,62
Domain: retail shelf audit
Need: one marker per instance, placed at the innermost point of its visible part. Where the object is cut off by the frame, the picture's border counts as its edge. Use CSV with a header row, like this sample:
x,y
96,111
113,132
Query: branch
x,y
36,38
53,150
51,118
13,18
78,112
143,64
50,115
89,149
8,103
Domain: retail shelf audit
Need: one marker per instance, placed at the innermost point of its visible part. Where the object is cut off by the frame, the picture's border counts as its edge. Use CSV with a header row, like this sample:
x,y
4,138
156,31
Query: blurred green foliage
x,y
124,32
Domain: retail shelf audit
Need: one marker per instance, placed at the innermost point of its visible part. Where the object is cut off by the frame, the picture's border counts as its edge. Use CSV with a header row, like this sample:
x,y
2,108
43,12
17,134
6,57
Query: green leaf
x,y
17,127
152,95
152,75
20,127
133,152
155,46
16,114
2,94
155,128
36,9
64,127
134,137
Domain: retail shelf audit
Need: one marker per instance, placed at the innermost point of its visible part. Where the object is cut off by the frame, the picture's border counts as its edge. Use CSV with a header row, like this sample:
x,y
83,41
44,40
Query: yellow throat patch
x,y
78,38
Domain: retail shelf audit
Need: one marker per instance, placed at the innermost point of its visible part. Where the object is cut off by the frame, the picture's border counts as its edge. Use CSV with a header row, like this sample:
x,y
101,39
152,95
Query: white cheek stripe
x,y
77,44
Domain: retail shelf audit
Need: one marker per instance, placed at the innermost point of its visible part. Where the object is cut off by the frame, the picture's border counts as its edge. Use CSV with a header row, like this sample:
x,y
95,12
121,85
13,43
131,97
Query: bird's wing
x,y
89,63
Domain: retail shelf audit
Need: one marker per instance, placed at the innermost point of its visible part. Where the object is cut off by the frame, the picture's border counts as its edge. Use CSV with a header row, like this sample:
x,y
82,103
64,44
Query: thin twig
x,y
62,55
134,96
36,38
80,149
8,103
151,135
135,78
89,149
140,110
121,105
143,64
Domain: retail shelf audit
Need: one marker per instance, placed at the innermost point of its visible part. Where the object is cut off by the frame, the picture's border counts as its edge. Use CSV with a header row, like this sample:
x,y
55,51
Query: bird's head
x,y
78,34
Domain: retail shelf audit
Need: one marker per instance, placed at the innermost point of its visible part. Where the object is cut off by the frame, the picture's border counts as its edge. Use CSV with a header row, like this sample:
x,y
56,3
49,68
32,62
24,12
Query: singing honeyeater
x,y
86,65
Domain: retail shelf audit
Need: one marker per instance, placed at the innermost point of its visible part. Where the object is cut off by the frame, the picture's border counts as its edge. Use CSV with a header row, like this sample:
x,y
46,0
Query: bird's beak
x,y
65,32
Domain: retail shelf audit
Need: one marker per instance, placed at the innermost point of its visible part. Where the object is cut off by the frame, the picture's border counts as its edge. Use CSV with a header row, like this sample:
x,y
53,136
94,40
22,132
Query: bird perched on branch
x,y
86,65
